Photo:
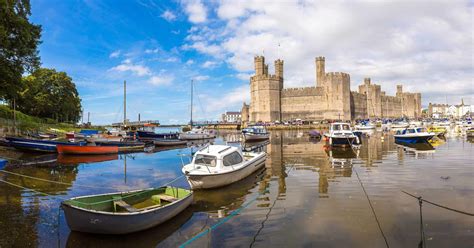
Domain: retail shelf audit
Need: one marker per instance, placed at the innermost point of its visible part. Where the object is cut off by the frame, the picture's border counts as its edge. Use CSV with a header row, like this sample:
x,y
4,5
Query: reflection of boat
x,y
470,132
418,148
255,133
413,135
218,165
3,163
86,150
169,142
38,145
255,146
340,134
70,159
125,212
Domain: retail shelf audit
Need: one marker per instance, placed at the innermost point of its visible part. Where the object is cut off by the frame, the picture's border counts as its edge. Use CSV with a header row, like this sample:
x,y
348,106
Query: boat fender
x,y
330,140
357,140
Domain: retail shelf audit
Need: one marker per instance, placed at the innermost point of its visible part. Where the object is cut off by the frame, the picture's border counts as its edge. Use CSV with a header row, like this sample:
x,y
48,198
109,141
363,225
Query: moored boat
x,y
86,150
340,134
364,125
38,145
125,212
470,132
413,135
438,130
197,134
255,133
3,163
125,145
148,135
218,165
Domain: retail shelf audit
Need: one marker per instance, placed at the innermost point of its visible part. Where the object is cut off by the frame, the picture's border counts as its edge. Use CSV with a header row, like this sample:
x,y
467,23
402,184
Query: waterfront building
x,y
331,98
231,117
450,111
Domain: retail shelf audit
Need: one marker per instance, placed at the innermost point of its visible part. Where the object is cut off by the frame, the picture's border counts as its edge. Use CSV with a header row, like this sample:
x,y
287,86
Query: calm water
x,y
307,195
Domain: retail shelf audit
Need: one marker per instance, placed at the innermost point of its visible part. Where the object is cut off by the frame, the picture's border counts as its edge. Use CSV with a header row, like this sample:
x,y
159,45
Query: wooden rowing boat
x,y
125,212
86,150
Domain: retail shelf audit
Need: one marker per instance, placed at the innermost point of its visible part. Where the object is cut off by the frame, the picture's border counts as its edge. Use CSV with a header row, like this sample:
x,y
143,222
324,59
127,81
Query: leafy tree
x,y
50,94
19,40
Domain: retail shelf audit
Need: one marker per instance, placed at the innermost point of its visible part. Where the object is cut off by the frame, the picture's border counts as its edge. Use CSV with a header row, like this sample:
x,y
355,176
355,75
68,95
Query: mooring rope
x,y
33,190
373,210
52,181
227,218
438,205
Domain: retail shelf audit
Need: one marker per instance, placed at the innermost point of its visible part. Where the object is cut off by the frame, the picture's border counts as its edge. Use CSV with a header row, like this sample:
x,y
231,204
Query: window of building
x,y
232,159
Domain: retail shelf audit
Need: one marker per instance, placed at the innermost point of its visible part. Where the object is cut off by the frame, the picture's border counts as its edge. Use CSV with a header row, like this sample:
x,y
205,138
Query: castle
x,y
330,99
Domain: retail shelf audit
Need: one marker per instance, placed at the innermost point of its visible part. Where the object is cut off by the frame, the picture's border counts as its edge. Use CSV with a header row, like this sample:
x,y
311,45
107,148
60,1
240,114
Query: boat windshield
x,y
207,160
342,127
421,130
410,130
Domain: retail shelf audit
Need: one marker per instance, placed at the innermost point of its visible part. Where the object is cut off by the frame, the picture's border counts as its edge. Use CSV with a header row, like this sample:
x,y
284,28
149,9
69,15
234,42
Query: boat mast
x,y
124,103
191,122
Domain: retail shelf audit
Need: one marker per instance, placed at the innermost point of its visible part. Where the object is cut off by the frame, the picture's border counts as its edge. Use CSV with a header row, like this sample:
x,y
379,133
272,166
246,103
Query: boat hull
x,y
196,136
223,179
91,221
86,150
413,140
37,145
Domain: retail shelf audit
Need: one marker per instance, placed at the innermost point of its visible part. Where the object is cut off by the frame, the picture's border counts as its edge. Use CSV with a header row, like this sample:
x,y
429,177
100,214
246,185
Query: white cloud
x,y
209,64
168,15
150,51
201,78
172,59
139,70
233,100
189,62
391,42
115,54
196,11
161,80
244,76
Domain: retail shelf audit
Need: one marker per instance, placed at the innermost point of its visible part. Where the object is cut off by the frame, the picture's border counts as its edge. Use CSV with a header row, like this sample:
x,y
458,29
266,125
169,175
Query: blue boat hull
x,y
151,135
412,140
37,145
3,162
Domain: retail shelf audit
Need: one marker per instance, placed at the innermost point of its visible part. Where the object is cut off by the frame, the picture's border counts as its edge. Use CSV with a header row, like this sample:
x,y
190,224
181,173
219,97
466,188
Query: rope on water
x,y
32,190
373,210
438,205
51,181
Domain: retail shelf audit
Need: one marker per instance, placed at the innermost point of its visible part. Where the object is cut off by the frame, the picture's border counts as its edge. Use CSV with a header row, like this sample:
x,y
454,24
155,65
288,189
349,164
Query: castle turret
x,y
399,89
279,68
367,81
259,65
320,71
265,70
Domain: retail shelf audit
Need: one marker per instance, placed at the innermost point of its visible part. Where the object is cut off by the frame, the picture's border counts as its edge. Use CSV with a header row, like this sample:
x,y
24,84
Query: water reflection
x,y
307,195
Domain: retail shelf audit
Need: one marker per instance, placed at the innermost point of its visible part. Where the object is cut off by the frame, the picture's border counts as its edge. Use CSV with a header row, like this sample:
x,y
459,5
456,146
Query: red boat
x,y
86,150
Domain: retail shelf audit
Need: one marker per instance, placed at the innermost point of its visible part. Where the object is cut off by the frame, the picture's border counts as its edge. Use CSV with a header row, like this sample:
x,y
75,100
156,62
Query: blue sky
x,y
159,46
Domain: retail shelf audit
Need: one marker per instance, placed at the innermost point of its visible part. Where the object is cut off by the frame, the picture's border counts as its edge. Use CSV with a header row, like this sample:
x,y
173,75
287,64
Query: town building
x,y
330,99
231,117
450,111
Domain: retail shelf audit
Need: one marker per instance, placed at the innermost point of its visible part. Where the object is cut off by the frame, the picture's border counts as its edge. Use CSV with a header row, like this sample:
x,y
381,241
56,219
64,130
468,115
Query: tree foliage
x,y
49,94
19,40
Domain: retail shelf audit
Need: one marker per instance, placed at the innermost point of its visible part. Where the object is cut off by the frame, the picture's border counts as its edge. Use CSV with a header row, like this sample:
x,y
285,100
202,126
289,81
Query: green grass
x,y
26,122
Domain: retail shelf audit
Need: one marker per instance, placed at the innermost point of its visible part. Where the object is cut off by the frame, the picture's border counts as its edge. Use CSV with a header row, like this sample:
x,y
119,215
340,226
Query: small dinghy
x,y
38,145
255,133
413,135
125,212
219,165
87,150
340,134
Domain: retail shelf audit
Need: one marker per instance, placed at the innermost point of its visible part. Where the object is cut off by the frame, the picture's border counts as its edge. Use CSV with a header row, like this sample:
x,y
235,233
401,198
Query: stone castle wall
x,y
330,99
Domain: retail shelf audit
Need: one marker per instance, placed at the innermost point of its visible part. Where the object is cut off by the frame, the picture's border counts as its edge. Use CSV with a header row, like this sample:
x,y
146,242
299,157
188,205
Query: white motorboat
x,y
219,165
413,135
197,134
399,124
255,133
364,126
340,134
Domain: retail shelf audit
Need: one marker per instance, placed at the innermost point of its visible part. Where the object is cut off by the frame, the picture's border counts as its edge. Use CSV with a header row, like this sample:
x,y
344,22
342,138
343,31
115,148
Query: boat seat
x,y
165,198
119,202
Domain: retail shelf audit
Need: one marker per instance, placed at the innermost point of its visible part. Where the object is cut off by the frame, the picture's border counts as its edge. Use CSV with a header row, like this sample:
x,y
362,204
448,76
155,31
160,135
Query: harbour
x,y
307,193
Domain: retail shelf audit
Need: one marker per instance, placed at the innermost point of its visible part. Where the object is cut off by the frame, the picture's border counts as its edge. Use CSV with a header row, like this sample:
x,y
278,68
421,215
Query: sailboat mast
x,y
191,122
124,102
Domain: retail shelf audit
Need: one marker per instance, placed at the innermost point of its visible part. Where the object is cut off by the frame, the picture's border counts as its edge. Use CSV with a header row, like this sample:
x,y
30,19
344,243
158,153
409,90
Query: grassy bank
x,y
26,122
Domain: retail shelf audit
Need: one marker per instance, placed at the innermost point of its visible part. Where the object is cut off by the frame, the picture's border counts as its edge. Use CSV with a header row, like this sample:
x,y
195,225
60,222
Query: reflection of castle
x,y
331,98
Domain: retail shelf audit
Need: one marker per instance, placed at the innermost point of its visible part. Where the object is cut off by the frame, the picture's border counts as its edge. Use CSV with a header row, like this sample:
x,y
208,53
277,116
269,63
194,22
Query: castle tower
x,y
259,65
320,71
279,68
367,81
265,92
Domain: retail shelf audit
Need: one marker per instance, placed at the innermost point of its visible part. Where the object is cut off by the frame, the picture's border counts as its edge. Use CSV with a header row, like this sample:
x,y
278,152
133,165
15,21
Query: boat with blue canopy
x,y
413,135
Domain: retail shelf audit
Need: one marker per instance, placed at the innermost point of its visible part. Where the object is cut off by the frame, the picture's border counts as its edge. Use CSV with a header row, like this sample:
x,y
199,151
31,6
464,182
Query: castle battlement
x,y
264,77
338,74
302,91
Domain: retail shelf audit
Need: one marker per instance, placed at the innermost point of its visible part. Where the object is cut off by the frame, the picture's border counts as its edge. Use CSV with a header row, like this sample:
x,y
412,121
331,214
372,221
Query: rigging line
x,y
422,231
51,181
373,210
438,205
38,192
263,222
